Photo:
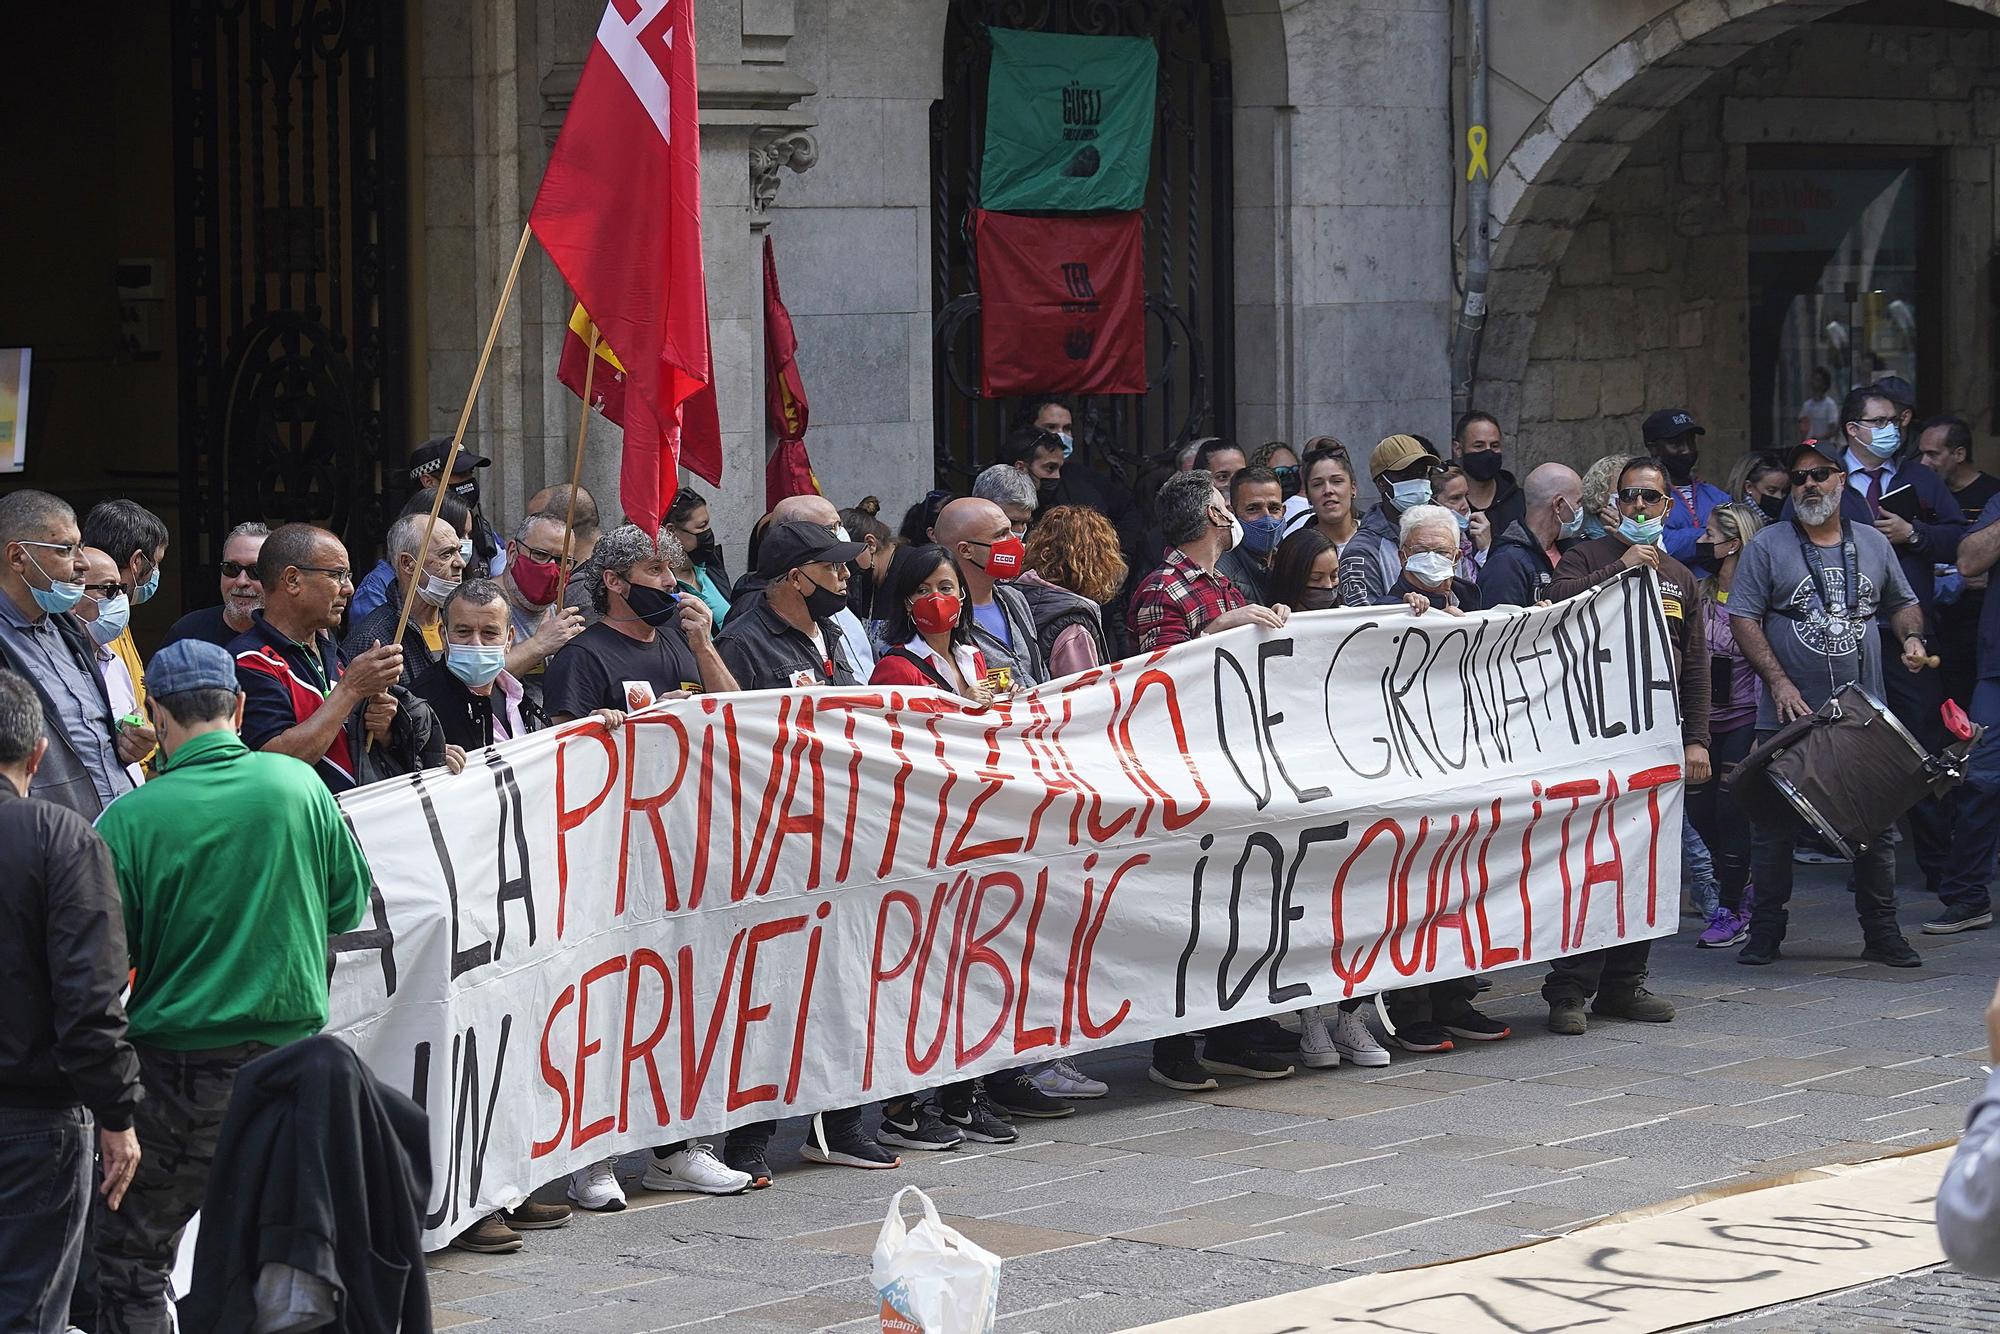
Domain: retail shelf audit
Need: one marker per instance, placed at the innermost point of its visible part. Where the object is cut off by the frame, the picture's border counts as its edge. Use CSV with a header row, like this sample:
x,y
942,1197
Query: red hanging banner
x,y
1062,304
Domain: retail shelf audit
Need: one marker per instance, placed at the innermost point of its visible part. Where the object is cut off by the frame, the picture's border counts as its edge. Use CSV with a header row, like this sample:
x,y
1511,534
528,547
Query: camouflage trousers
x,y
187,1093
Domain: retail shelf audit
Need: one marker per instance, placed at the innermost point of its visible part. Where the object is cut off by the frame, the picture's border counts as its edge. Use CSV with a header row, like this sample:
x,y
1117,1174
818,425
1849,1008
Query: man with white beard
x,y
1803,607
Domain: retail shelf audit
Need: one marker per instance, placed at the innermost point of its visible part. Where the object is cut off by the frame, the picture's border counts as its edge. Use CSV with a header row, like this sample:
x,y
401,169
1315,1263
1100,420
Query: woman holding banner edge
x,y
930,637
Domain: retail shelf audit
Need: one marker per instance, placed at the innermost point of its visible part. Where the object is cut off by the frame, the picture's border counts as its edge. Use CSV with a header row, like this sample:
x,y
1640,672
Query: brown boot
x,y
533,1215
489,1236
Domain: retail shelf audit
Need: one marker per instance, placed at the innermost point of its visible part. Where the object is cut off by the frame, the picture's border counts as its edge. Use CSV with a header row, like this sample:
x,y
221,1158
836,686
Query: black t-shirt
x,y
207,624
1977,494
604,669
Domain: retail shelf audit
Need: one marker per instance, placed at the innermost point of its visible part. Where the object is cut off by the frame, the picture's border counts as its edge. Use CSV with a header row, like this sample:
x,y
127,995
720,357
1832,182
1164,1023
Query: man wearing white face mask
x,y
136,540
428,553
1402,469
104,611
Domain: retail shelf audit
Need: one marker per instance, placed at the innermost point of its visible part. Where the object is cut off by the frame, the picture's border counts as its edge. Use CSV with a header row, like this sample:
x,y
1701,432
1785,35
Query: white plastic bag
x,y
933,1279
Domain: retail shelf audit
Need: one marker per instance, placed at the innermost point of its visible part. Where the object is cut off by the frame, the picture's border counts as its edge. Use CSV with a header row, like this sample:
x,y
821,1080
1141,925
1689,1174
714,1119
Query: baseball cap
x,y
428,457
1668,423
786,546
1396,452
1827,450
1897,390
190,664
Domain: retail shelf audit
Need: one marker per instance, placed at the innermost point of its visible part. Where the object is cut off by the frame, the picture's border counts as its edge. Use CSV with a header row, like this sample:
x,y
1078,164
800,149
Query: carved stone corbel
x,y
770,150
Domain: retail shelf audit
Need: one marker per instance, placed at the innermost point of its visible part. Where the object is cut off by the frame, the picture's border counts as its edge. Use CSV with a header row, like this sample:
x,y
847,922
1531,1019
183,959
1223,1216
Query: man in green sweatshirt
x,y
234,867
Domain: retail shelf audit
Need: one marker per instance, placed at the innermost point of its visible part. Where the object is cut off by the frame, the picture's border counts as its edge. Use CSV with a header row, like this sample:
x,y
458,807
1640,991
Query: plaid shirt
x,y
1174,602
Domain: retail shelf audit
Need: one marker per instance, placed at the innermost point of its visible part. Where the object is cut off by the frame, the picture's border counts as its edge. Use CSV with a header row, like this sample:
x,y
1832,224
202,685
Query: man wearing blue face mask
x,y
136,541
1258,500
41,579
1924,524
1617,976
1402,469
105,611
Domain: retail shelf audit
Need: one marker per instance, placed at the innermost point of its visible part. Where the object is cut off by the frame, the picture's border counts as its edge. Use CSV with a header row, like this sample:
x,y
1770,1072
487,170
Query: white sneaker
x,y
596,1187
1316,1046
693,1167
1060,1079
1353,1039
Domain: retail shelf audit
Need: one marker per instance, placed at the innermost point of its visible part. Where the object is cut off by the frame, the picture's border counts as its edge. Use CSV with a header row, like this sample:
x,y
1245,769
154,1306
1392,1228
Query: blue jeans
x,y
1698,870
1975,823
45,1166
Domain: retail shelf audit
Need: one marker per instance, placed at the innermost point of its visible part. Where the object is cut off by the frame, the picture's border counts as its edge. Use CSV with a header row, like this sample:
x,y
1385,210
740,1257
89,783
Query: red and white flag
x,y
619,212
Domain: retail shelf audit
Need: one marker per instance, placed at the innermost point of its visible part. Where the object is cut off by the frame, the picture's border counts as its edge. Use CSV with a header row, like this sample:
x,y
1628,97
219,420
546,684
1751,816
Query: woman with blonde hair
x,y
1600,511
1074,567
1732,726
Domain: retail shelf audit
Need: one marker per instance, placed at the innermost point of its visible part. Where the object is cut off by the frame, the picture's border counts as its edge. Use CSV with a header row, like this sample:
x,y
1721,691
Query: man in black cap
x,y
427,471
1903,394
787,640
1670,437
1889,489
1803,608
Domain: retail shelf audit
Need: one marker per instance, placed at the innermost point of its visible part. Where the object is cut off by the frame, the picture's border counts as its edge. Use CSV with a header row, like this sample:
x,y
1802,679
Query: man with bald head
x,y
981,535
1523,561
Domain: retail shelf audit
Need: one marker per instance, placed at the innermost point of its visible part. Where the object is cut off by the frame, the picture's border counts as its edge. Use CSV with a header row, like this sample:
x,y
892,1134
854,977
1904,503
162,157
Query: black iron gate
x,y
290,273
1189,303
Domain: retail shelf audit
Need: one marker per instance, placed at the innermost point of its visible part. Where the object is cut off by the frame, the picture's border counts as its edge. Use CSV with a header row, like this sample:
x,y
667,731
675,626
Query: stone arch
x,y
1547,182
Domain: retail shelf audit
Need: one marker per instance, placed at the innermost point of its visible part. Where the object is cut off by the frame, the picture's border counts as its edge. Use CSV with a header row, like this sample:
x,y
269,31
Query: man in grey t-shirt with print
x,y
1803,607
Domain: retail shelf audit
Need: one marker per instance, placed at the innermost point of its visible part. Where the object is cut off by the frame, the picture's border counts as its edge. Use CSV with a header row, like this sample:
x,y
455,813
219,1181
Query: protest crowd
x,y
177,859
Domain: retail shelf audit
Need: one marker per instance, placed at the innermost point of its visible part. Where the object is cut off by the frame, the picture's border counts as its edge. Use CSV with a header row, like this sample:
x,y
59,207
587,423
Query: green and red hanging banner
x,y
1069,122
1062,304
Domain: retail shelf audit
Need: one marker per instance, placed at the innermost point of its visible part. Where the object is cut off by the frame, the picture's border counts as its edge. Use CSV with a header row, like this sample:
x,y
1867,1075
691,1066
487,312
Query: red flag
x,y
619,211
1062,304
789,471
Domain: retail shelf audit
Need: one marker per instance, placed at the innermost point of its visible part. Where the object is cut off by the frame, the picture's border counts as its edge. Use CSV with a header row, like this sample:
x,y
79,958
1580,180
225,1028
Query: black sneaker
x,y
1475,1027
1953,920
1758,950
1016,1095
750,1161
1893,951
1264,1035
918,1127
1422,1037
1245,1061
1180,1072
978,1121
845,1148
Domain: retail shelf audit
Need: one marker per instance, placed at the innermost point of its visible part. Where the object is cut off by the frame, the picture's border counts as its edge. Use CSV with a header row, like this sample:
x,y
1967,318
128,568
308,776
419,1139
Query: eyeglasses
x,y
1800,476
68,552
338,575
537,554
102,591
1640,495
233,570
1877,423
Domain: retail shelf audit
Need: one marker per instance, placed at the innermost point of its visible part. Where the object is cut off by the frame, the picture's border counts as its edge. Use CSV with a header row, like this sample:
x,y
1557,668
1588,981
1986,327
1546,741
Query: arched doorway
x,y
1186,218
1643,176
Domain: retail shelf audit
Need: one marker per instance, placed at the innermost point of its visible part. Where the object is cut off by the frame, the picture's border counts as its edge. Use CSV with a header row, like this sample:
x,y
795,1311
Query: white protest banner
x,y
744,907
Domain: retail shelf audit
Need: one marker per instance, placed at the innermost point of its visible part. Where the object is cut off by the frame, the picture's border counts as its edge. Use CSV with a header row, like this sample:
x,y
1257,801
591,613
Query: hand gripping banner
x,y
750,906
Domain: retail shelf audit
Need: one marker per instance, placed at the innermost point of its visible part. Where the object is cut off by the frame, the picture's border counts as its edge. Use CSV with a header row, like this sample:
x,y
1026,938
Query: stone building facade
x,y
1627,140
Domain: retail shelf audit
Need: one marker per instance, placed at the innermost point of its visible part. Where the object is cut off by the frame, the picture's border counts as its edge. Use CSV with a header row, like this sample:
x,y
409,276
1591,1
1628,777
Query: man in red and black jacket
x,y
348,719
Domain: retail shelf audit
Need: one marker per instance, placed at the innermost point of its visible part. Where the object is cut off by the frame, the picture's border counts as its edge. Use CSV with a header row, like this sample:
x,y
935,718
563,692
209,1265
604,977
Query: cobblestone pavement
x,y
1151,1204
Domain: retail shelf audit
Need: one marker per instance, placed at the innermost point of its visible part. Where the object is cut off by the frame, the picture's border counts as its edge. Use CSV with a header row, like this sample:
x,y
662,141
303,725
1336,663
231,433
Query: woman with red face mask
x,y
927,626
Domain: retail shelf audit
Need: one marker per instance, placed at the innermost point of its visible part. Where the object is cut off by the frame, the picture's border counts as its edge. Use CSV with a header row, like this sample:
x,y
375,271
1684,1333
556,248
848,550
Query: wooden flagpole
x,y
465,414
576,465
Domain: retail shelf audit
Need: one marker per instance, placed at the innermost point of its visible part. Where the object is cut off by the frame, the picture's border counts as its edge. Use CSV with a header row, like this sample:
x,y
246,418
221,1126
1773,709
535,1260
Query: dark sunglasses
x,y
1800,476
231,570
1640,495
